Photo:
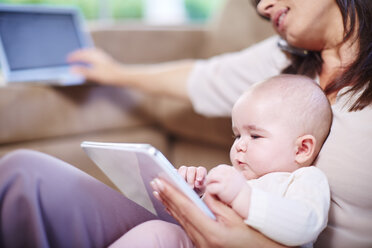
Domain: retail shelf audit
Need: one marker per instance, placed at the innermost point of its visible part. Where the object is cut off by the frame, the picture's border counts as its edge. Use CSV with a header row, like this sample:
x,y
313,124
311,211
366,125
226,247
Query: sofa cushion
x,y
179,119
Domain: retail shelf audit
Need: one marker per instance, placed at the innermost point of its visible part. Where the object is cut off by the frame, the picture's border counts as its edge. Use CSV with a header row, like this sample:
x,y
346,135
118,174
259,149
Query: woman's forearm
x,y
169,79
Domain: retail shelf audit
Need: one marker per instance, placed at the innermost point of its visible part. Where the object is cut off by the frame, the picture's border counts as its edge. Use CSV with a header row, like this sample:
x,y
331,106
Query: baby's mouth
x,y
242,165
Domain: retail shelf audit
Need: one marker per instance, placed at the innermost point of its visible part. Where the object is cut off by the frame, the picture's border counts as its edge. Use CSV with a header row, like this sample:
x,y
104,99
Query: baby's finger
x,y
214,188
182,171
201,172
214,175
190,176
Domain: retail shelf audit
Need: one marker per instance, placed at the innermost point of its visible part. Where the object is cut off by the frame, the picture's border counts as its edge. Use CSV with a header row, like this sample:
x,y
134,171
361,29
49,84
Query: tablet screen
x,y
131,167
33,40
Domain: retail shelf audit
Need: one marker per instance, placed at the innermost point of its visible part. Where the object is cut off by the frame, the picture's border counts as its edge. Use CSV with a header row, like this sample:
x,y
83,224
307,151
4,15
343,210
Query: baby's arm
x,y
230,186
195,177
292,212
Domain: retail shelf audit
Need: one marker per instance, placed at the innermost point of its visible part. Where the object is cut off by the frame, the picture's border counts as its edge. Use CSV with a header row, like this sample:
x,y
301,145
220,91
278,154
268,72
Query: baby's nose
x,y
242,146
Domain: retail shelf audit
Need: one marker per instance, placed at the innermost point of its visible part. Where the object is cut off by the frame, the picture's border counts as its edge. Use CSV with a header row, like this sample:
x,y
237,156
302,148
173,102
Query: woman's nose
x,y
264,7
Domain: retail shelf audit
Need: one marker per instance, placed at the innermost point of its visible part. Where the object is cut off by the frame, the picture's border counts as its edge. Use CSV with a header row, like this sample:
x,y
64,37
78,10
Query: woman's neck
x,y
335,60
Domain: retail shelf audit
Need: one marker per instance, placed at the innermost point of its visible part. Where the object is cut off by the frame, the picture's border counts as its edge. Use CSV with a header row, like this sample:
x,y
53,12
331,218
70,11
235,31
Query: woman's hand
x,y
228,230
168,79
100,67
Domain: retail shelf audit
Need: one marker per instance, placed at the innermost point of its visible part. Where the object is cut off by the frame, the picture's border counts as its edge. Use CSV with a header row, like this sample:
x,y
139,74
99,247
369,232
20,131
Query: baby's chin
x,y
244,169
248,174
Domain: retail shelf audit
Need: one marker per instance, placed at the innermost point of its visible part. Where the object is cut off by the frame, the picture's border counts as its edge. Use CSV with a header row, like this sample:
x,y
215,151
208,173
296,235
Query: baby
x,y
280,126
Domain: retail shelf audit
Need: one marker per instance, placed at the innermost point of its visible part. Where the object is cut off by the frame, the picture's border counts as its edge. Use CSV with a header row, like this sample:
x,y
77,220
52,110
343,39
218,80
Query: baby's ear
x,y
305,148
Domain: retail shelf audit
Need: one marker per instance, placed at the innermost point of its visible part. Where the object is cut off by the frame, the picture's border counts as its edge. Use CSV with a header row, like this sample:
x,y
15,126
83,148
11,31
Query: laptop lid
x,y
35,41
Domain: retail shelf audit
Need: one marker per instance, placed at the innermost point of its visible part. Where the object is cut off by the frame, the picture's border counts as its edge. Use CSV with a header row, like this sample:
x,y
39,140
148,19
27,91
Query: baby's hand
x,y
225,182
195,177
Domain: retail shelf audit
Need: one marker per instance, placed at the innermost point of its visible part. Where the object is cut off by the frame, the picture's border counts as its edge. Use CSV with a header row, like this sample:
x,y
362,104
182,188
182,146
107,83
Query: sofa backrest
x,y
236,26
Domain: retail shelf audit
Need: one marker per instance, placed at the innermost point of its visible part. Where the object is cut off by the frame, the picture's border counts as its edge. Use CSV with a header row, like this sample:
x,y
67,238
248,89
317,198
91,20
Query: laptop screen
x,y
33,40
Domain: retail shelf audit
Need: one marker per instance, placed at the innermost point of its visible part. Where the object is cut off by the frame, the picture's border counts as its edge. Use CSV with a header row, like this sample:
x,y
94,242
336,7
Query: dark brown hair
x,y
357,17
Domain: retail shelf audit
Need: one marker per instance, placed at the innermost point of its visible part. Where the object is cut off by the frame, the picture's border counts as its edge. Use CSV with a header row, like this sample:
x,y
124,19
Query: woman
x,y
335,48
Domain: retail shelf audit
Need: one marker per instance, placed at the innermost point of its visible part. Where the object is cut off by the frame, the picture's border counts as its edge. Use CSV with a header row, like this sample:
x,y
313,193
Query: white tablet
x,y
131,167
35,41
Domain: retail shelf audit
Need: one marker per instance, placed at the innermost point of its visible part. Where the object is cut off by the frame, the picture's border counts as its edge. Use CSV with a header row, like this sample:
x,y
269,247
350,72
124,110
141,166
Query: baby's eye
x,y
254,136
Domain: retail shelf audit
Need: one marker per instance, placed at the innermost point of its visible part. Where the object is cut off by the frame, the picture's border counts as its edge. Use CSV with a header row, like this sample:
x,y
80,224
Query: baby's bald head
x,y
301,101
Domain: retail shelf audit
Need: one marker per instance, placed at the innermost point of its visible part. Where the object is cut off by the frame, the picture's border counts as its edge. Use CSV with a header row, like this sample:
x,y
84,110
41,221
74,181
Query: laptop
x,y
35,41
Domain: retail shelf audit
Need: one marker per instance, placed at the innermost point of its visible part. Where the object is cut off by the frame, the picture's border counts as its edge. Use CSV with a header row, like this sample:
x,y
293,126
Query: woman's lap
x,y
46,202
154,233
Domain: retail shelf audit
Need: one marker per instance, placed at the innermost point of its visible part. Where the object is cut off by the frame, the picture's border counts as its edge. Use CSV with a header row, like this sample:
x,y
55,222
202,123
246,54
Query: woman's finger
x,y
83,55
204,231
178,203
186,213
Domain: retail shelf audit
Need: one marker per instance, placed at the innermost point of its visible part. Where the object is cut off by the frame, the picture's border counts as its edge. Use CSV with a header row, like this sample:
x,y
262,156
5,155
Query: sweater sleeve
x,y
215,84
299,215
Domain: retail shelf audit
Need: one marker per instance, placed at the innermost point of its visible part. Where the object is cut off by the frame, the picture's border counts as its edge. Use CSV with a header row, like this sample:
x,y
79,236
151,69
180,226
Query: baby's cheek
x,y
232,156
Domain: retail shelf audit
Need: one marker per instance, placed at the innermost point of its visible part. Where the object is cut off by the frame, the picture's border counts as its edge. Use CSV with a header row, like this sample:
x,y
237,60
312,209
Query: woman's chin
x,y
300,42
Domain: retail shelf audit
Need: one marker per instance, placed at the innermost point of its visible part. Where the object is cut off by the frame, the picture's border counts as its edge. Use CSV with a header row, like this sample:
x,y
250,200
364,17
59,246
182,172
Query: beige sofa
x,y
55,120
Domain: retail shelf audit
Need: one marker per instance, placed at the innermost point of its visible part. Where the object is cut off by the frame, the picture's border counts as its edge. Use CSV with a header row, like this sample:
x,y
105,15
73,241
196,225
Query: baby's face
x,y
263,142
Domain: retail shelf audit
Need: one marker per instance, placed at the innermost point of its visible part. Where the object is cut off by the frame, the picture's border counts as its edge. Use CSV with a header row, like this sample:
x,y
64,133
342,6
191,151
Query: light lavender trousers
x,y
45,202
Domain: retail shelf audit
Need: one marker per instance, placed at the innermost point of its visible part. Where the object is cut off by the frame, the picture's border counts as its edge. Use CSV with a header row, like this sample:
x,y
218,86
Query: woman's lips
x,y
279,19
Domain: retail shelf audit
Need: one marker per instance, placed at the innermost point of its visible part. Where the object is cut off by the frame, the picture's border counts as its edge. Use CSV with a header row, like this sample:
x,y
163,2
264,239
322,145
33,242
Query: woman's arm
x,y
165,79
228,230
